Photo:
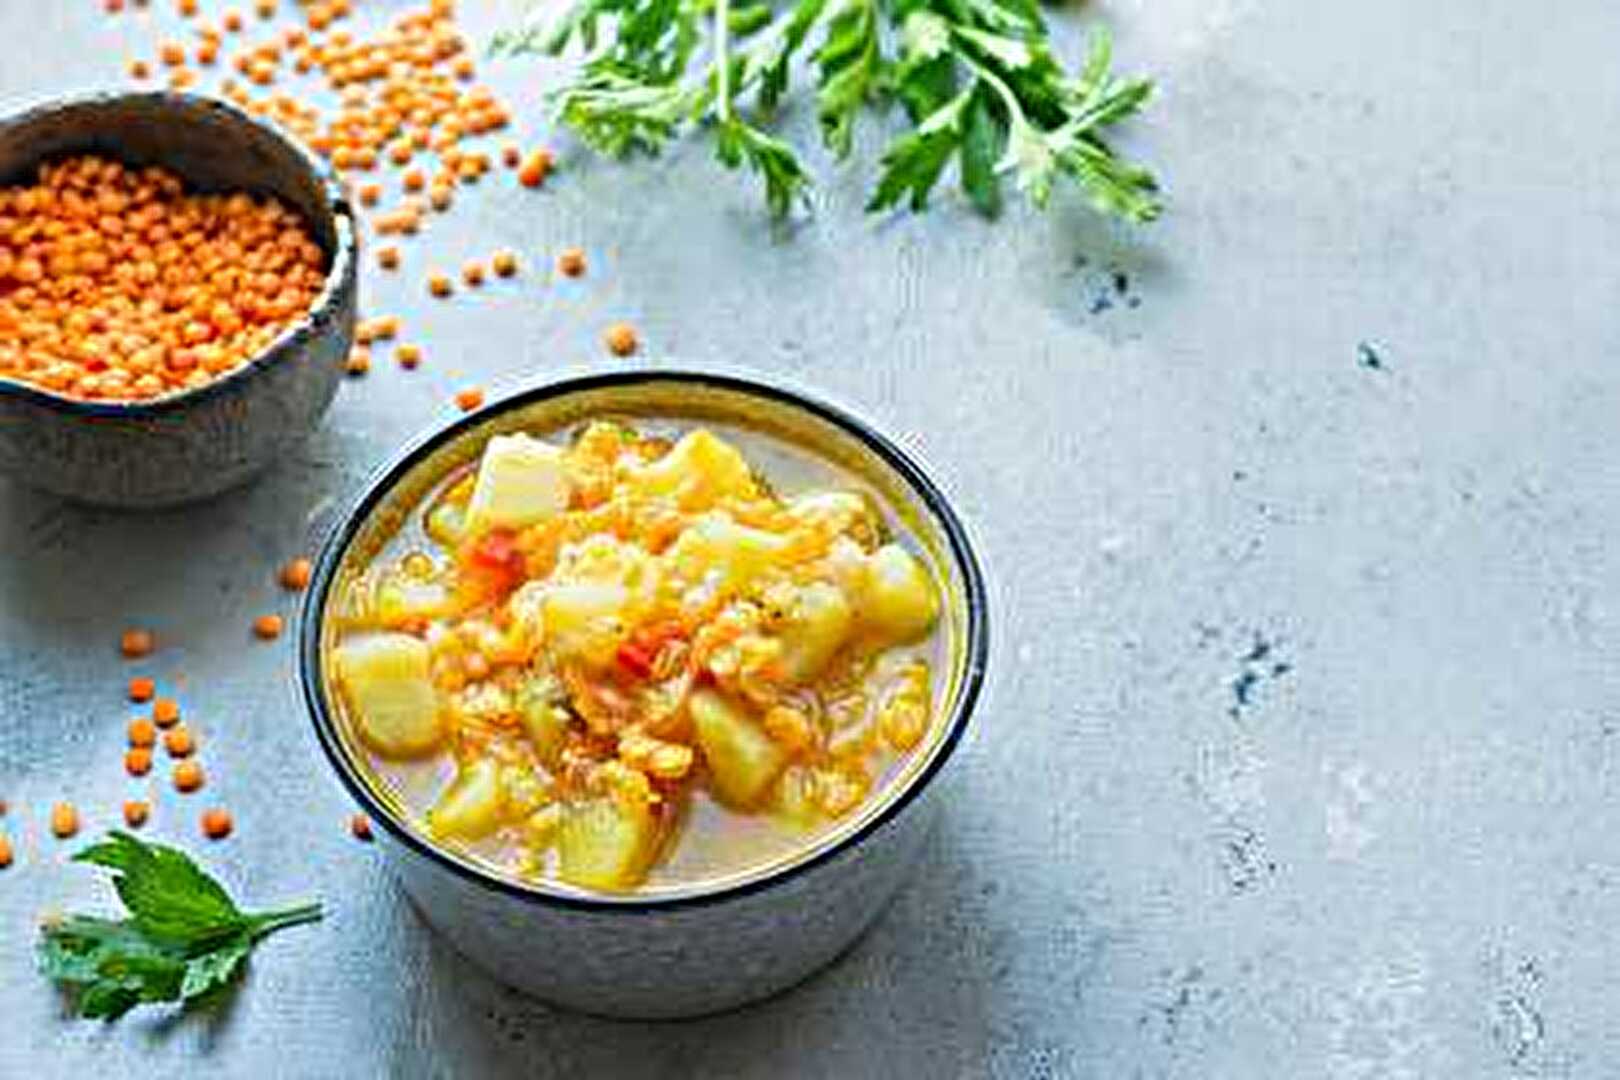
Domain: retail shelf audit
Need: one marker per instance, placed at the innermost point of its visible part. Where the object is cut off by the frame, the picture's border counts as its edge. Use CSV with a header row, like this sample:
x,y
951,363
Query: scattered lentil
x,y
267,627
64,820
621,339
360,826
142,732
136,643
294,576
188,776
504,263
469,399
178,742
141,689
216,823
571,262
138,761
165,712
136,813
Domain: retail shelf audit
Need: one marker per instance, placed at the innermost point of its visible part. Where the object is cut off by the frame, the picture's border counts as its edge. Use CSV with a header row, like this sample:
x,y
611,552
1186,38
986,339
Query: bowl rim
x,y
339,210
383,479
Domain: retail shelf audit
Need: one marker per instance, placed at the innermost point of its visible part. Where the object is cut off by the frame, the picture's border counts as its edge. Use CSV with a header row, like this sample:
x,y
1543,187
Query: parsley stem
x,y
271,921
722,57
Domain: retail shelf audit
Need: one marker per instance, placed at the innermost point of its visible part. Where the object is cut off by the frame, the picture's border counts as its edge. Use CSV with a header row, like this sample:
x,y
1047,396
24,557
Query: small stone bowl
x,y
193,444
677,949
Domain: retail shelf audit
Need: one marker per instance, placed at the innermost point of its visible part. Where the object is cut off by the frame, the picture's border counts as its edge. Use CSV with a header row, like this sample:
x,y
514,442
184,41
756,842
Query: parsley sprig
x,y
977,79
183,939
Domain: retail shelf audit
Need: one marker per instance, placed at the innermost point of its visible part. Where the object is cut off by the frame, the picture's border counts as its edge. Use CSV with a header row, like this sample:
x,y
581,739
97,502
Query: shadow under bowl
x,y
194,444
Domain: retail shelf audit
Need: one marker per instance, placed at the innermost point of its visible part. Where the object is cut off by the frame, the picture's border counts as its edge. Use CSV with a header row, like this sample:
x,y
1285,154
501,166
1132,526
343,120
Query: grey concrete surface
x,y
1302,754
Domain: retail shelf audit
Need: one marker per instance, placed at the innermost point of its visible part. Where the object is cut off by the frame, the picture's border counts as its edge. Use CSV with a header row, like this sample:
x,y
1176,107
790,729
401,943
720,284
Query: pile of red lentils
x,y
116,284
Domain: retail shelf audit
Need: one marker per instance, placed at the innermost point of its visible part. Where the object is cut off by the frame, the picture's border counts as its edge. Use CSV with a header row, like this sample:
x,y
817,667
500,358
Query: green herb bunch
x,y
977,79
183,939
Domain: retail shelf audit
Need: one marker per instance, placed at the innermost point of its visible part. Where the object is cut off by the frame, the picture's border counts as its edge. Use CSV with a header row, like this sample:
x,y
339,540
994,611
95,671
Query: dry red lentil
x,y
141,689
360,827
135,644
571,262
64,820
267,627
178,741
136,813
217,823
188,776
294,576
621,339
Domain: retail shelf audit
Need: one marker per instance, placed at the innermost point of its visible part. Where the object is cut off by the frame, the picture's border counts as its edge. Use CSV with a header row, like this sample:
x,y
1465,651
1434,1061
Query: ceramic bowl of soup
x,y
651,680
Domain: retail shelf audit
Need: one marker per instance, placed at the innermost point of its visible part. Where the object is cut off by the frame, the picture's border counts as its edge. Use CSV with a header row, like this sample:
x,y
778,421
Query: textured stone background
x,y
1302,753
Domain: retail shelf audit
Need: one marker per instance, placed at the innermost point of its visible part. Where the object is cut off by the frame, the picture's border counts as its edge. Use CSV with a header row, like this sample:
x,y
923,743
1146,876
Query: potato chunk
x,y
743,759
898,602
386,682
521,481
698,471
817,628
715,544
605,843
470,808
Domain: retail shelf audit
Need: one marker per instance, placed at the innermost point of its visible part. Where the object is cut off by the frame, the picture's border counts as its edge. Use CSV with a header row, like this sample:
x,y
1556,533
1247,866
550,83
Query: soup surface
x,y
638,659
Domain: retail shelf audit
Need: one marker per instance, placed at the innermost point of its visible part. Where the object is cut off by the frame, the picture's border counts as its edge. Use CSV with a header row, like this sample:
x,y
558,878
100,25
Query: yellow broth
x,y
654,655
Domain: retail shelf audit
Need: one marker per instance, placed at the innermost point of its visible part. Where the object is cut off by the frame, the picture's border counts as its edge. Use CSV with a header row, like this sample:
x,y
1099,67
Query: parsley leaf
x,y
978,80
184,937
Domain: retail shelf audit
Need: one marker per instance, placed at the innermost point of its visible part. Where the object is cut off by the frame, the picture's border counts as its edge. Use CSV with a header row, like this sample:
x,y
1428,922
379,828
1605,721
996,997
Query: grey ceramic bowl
x,y
198,443
709,946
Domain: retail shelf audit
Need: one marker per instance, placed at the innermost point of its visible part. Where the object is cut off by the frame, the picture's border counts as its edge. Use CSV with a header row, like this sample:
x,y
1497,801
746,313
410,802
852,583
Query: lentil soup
x,y
637,653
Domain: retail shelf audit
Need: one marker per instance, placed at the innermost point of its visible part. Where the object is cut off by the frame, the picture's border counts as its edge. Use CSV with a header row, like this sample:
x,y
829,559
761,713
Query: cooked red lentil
x,y
116,284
